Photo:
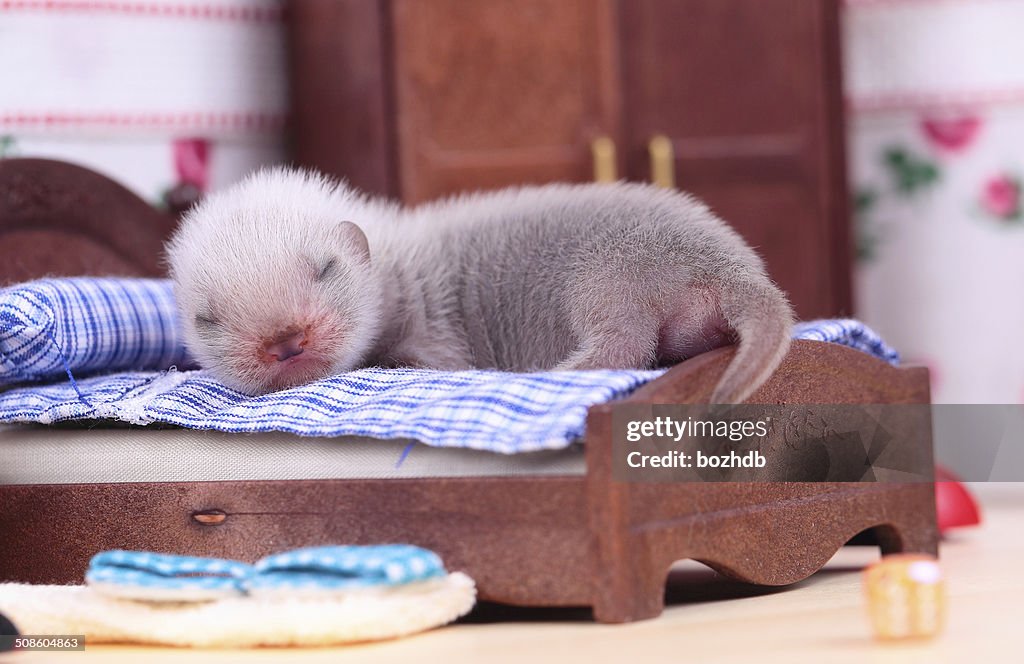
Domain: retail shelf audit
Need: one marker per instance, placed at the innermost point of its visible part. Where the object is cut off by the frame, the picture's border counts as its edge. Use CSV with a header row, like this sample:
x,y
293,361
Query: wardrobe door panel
x,y
341,117
794,258
501,92
749,94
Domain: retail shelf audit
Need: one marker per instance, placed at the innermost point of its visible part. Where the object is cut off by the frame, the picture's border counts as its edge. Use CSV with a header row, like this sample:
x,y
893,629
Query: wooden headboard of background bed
x,y
57,219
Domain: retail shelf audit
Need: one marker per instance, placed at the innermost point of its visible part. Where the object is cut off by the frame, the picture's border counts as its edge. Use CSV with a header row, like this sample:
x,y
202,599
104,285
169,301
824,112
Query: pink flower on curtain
x,y
192,174
1000,197
191,160
951,134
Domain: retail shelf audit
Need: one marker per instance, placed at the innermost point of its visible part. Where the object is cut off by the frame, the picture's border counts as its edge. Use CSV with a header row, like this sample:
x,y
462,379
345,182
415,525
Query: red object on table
x,y
954,505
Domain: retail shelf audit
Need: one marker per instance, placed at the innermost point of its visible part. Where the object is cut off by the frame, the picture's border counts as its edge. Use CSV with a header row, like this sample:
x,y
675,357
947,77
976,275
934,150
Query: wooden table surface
x,y
709,618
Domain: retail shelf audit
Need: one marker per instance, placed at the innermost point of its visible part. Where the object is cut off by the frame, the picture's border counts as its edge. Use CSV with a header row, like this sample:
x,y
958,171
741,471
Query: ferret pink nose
x,y
286,345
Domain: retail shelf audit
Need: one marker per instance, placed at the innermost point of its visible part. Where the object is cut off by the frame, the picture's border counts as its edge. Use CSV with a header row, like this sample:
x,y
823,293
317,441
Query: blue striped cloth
x,y
62,330
847,332
51,327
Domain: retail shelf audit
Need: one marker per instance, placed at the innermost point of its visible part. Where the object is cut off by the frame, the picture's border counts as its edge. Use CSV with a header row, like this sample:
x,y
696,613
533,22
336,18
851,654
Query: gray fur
x,y
532,278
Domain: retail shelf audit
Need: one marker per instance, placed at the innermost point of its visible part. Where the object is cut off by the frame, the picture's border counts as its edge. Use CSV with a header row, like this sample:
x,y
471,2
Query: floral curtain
x,y
162,95
935,91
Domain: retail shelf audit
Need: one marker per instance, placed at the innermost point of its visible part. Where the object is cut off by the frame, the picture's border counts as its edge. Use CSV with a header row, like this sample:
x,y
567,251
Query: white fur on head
x,y
270,256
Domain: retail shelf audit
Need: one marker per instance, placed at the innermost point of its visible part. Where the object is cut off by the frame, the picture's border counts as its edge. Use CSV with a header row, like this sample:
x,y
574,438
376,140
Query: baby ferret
x,y
288,277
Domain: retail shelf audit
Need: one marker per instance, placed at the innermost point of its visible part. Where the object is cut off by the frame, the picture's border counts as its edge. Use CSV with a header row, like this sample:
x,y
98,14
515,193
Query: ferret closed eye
x,y
325,271
555,277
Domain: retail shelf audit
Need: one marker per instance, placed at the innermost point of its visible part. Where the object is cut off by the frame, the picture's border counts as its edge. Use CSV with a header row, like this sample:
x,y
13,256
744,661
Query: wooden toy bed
x,y
546,540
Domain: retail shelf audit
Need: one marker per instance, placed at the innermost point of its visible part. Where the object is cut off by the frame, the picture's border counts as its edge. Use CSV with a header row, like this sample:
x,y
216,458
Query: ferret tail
x,y
762,319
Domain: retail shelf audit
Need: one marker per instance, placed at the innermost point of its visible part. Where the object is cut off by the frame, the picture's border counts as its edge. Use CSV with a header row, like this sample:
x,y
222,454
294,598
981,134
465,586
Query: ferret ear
x,y
352,238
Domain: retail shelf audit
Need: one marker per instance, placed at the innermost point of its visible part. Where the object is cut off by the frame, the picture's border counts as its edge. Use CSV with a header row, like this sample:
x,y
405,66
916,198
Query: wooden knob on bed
x,y
210,517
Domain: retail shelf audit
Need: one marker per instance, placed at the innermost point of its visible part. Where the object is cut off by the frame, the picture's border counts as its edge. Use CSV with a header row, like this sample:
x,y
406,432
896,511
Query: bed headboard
x,y
58,219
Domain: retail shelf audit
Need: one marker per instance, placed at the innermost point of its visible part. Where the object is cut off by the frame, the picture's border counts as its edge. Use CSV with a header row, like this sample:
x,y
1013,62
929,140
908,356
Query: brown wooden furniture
x,y
584,540
58,219
420,98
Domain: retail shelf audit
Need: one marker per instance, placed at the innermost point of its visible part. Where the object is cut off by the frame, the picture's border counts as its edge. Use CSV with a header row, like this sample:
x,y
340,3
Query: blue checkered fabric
x,y
847,332
51,327
486,410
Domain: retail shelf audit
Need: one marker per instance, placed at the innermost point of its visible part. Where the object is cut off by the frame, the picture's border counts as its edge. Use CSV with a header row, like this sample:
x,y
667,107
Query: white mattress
x,y
31,454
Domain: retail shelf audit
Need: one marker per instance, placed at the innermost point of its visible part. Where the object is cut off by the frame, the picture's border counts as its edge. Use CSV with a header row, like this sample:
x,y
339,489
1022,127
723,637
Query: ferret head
x,y
273,281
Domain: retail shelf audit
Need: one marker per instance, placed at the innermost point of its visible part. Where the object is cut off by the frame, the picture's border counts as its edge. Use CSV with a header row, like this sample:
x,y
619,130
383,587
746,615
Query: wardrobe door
x,y
502,92
748,94
338,82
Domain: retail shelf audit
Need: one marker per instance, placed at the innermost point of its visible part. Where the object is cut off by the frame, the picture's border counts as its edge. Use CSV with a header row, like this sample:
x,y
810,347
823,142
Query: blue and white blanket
x,y
57,335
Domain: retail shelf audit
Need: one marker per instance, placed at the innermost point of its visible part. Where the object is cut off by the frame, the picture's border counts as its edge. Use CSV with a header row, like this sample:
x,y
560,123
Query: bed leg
x,y
912,529
636,593
628,583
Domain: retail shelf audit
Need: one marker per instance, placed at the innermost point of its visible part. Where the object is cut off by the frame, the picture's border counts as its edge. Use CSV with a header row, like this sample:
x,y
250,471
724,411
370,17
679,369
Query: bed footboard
x,y
772,533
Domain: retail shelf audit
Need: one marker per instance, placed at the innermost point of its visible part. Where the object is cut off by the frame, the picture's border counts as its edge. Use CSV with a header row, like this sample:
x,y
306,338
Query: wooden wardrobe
x,y
736,101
